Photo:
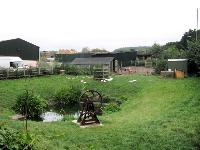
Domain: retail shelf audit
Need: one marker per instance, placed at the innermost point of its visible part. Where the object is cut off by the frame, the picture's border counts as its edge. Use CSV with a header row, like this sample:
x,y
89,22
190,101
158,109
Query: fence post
x,y
39,70
16,73
7,73
24,72
52,69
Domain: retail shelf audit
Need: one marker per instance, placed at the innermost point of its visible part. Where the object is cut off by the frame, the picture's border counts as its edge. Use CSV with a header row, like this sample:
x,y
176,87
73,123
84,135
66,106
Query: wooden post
x,y
24,72
17,73
26,126
7,73
39,70
52,69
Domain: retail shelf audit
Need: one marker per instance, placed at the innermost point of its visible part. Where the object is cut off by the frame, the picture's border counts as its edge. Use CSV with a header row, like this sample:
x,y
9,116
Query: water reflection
x,y
51,116
76,115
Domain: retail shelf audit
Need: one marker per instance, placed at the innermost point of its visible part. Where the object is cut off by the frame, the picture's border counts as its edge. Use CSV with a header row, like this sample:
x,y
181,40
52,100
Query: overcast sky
x,y
109,24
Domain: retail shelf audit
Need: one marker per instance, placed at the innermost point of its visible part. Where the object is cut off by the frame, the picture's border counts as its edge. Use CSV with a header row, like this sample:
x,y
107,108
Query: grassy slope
x,y
159,114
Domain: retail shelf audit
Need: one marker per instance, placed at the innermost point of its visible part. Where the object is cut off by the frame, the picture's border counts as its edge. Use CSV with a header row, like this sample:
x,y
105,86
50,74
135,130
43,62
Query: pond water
x,y
51,116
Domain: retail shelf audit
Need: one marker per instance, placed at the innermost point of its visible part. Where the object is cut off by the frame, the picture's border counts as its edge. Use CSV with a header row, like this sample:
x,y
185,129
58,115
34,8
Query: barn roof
x,y
92,61
17,39
20,48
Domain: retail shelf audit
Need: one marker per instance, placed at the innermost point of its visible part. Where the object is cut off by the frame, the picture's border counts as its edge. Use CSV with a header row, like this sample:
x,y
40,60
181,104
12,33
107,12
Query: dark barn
x,y
124,58
20,48
68,58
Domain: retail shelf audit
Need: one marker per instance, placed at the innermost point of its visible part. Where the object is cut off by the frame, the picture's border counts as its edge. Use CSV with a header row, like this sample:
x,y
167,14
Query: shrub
x,y
74,94
67,96
68,118
76,70
34,103
111,107
161,66
72,70
107,99
13,139
57,69
113,104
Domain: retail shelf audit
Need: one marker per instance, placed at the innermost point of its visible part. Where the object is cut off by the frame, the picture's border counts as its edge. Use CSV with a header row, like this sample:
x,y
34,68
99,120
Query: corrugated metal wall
x,y
123,58
20,48
179,65
68,58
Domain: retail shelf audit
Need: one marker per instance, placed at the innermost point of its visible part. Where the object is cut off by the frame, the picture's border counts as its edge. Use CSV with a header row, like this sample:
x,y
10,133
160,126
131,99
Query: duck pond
x,y
51,116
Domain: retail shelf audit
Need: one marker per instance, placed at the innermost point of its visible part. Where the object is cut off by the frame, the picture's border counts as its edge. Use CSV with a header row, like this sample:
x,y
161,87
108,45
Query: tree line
x,y
188,47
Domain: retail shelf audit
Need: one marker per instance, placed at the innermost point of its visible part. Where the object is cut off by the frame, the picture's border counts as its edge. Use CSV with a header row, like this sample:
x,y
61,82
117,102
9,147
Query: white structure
x,y
177,60
30,63
10,61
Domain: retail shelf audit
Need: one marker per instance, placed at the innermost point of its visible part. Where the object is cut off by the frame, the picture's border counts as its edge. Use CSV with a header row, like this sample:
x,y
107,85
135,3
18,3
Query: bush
x,y
112,107
67,96
34,103
107,99
113,104
68,118
13,139
161,66
76,70
57,69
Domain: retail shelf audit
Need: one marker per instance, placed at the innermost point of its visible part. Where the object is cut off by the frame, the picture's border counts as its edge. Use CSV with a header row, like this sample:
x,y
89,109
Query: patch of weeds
x,y
13,139
90,147
111,107
119,101
67,117
112,104
197,141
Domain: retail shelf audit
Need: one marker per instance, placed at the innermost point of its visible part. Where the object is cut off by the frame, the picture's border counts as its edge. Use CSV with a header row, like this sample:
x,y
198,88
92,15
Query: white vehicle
x,y
11,62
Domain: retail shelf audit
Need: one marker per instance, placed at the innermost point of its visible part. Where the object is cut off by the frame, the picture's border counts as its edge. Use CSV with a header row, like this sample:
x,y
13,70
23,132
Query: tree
x,y
194,52
187,47
172,52
189,36
157,51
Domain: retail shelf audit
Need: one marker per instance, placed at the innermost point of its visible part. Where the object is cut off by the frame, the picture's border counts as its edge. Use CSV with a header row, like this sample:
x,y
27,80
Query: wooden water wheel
x,y
91,104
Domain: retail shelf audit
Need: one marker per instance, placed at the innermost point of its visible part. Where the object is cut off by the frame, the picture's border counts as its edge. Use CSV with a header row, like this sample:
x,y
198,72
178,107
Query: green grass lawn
x,y
159,114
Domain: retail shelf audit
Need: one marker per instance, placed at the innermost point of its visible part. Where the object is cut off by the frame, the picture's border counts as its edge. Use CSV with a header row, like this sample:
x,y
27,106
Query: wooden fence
x,y
24,72
101,72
